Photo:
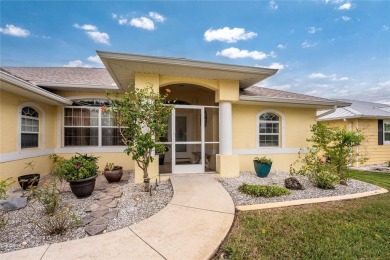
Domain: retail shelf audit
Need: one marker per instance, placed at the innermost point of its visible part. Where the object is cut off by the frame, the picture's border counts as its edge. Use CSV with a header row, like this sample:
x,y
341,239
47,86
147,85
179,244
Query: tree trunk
x,y
146,180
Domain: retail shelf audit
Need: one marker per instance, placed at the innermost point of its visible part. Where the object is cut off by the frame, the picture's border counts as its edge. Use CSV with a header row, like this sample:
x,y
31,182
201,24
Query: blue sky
x,y
326,48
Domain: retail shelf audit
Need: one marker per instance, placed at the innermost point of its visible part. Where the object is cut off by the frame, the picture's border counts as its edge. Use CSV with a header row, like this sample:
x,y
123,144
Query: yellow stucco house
x,y
219,124
373,119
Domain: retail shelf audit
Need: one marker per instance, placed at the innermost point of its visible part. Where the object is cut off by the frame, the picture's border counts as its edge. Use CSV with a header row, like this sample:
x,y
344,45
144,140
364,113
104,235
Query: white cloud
x,y
307,44
86,27
228,35
234,53
95,59
281,46
143,23
13,30
276,65
272,4
345,18
76,63
122,21
385,28
382,84
345,6
157,17
114,16
93,33
324,76
313,30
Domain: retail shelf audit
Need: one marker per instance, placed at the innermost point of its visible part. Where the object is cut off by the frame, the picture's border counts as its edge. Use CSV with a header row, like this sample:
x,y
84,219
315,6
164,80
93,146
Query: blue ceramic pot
x,y
262,169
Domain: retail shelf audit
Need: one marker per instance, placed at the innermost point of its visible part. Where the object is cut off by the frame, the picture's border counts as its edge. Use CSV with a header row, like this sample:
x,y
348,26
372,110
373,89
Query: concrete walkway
x,y
191,226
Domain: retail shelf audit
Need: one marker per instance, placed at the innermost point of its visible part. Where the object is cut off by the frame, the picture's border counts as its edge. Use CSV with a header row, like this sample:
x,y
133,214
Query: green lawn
x,y
354,229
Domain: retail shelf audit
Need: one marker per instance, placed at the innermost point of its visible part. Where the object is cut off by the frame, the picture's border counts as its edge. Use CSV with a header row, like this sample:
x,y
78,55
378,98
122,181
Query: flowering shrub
x,y
78,167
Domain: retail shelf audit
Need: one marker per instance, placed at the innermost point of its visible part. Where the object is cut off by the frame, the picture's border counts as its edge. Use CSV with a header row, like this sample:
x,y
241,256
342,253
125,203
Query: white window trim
x,y
99,126
282,131
42,126
384,141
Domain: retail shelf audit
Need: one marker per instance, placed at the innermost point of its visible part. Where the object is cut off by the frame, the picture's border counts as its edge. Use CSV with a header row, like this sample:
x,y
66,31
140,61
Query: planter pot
x,y
28,180
115,175
161,158
83,188
262,169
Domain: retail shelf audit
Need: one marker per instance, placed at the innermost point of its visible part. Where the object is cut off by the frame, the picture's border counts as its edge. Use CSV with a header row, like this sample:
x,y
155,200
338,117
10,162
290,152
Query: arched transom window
x,y
269,130
29,128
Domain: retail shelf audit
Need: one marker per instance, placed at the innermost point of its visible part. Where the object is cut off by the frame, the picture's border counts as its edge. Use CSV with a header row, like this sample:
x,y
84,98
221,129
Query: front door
x,y
188,139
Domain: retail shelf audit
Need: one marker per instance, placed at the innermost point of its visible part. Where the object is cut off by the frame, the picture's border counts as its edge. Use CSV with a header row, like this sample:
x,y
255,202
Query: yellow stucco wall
x,y
9,113
375,153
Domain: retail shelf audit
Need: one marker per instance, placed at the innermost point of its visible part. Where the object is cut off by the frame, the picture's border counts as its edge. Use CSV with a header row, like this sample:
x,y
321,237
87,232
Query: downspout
x,y
328,112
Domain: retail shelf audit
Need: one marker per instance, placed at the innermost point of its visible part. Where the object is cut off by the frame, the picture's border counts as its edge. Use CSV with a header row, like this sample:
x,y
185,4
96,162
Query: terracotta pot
x,y
84,187
115,175
29,180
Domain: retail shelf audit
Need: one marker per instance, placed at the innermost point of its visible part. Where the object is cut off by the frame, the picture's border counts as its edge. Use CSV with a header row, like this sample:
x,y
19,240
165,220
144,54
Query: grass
x,y
354,229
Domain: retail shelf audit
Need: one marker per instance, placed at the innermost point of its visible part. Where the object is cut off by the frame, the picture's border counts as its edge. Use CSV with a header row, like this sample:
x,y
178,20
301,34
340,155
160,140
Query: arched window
x,y
29,128
269,130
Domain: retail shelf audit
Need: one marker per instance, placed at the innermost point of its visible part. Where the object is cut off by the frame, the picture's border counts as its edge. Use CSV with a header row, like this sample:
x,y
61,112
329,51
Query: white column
x,y
225,128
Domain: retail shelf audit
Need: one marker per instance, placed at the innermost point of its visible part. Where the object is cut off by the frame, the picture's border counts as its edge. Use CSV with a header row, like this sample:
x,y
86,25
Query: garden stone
x,y
86,220
112,204
99,221
112,214
98,214
103,202
104,197
13,204
94,230
343,182
93,207
292,183
115,194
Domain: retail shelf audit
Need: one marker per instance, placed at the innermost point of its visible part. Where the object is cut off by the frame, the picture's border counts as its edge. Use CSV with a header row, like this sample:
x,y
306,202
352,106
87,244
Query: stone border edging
x,y
310,201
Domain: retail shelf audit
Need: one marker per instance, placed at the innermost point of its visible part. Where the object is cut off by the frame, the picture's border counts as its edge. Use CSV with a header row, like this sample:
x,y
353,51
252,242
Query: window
x,y
269,126
29,128
386,132
89,126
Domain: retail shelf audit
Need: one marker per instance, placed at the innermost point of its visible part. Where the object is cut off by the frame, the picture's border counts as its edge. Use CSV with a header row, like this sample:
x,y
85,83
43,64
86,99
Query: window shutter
x,y
380,132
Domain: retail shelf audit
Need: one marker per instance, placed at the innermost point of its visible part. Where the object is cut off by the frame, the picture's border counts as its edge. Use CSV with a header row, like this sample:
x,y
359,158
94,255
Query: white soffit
x,y
122,67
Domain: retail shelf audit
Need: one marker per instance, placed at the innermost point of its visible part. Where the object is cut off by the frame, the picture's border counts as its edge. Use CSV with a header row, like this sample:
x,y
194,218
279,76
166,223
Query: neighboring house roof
x,y
21,87
63,78
255,93
122,67
359,109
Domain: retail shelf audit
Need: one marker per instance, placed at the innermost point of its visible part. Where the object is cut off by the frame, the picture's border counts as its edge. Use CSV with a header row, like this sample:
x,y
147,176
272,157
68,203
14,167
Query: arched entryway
x,y
192,140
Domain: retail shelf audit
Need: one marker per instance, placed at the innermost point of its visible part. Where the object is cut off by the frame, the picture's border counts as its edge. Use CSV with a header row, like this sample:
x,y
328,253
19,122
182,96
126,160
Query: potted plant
x,y
161,156
29,180
262,166
113,173
81,172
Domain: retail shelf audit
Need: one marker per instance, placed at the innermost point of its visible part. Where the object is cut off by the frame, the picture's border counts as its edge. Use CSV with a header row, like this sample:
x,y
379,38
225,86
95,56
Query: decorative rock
x,y
112,204
101,196
13,204
86,220
100,213
343,182
105,197
93,207
292,183
114,190
112,214
115,194
94,230
24,243
99,221
103,202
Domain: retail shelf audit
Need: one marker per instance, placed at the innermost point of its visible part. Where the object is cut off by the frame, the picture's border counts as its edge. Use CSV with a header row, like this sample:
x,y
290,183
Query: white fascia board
x,y
294,101
186,63
353,117
32,88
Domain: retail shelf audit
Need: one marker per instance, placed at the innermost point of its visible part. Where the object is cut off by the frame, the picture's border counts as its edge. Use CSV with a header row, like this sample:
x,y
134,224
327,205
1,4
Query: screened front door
x,y
188,139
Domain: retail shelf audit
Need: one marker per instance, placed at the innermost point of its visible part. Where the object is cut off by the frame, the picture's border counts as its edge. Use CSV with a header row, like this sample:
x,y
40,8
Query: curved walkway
x,y
191,226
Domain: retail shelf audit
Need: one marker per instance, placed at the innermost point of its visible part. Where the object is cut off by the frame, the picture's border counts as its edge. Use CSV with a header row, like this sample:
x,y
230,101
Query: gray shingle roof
x,y
360,109
273,93
64,75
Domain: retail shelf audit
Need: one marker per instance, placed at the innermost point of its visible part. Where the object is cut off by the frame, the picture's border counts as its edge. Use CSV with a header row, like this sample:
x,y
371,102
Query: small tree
x,y
142,117
332,150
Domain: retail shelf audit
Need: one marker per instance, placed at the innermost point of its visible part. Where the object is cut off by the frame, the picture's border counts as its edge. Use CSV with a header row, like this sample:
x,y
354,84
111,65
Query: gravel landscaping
x,y
277,178
134,206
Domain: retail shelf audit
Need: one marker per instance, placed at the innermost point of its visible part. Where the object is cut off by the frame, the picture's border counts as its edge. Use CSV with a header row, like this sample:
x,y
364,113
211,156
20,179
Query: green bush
x,y
59,222
47,196
323,179
78,167
263,191
263,160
